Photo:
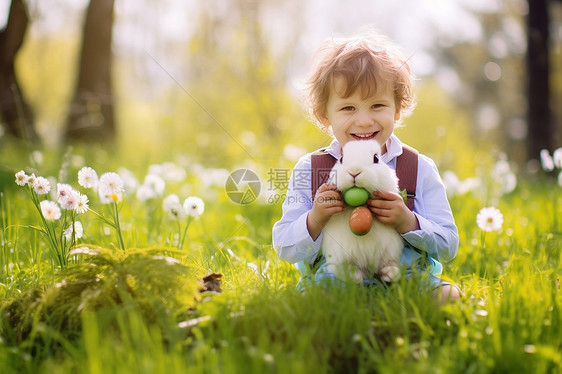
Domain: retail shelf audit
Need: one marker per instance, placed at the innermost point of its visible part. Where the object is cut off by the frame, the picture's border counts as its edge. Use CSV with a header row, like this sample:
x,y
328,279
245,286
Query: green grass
x,y
138,311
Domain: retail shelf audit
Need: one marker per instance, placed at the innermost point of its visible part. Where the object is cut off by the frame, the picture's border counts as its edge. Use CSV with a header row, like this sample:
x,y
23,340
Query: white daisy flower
x,y
71,200
489,219
50,210
546,160
194,206
87,177
111,184
41,186
156,183
21,178
106,198
78,231
63,190
82,206
31,179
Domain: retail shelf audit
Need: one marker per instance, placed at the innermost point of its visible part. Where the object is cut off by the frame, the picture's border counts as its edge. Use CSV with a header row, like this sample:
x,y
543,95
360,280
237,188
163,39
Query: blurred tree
x,y
233,48
539,113
91,114
15,112
511,112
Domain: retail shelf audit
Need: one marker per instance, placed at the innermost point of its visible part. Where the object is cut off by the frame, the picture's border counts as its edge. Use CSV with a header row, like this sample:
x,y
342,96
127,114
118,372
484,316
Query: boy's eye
x,y
375,159
346,108
378,106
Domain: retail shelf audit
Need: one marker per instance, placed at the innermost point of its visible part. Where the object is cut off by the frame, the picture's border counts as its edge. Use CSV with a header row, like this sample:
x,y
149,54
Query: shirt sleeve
x,y
438,235
291,239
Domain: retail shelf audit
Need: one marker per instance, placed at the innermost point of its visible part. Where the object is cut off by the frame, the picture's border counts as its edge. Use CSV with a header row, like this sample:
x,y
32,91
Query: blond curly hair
x,y
366,61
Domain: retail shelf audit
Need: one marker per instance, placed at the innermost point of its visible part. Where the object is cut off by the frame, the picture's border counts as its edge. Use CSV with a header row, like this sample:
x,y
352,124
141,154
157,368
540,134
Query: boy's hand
x,y
327,202
389,208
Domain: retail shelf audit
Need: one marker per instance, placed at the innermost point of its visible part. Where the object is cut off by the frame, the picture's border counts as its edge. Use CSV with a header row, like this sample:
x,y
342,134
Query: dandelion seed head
x,y
489,219
36,157
156,183
194,206
21,178
130,182
176,212
50,210
41,186
144,193
451,182
557,158
170,201
172,172
546,160
87,177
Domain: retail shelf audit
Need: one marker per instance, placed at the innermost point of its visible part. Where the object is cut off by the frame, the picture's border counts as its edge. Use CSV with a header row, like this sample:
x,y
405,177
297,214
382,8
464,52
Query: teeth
x,y
364,135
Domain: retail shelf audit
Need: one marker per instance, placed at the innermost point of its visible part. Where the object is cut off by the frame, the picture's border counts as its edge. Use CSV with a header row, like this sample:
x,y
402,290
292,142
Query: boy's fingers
x,y
326,187
387,195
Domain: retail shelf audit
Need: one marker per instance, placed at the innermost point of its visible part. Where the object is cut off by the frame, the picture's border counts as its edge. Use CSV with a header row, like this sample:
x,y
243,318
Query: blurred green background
x,y
220,81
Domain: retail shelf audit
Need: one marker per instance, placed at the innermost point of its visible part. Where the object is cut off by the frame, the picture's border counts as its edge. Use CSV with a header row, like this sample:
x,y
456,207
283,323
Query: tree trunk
x,y
91,117
539,114
15,113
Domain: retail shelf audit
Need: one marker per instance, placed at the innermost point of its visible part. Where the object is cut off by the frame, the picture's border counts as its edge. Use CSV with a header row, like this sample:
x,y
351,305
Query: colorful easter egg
x,y
355,196
360,220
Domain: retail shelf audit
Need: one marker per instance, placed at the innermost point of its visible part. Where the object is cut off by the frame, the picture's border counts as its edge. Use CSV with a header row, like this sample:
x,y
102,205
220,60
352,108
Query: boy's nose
x,y
363,118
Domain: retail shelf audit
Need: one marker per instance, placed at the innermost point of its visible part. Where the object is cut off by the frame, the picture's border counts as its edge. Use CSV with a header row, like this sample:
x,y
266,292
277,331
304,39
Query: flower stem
x,y
49,230
185,232
118,226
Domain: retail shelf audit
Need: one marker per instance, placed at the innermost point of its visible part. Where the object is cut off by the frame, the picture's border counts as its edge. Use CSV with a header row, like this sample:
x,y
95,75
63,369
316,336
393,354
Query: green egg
x,y
355,196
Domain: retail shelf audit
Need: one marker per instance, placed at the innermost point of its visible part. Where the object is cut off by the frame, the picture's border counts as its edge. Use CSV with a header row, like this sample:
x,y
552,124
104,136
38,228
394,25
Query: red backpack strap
x,y
321,166
407,173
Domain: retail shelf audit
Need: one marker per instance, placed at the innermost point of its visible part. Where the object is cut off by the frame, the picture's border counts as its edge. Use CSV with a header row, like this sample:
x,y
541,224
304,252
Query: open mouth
x,y
365,136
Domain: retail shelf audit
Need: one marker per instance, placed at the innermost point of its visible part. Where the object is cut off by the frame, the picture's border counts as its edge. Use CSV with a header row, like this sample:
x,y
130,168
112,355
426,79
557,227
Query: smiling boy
x,y
360,89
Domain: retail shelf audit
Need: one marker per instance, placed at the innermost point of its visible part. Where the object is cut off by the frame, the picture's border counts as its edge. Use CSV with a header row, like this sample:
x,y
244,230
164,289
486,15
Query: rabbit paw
x,y
390,273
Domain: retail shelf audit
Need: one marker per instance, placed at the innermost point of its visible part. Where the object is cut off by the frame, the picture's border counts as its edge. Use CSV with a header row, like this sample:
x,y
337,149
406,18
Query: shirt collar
x,y
393,149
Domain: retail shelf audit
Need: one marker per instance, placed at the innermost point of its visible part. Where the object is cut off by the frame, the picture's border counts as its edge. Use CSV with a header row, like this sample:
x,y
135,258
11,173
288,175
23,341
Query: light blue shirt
x,y
438,234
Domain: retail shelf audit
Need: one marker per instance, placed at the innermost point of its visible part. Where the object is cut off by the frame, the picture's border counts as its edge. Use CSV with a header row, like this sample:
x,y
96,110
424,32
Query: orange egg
x,y
360,220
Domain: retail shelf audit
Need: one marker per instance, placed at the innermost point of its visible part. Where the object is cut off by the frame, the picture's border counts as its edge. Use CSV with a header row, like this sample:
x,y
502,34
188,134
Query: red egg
x,y
360,220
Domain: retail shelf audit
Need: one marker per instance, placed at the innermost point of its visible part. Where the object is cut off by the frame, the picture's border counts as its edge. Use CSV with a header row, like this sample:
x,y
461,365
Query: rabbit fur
x,y
377,252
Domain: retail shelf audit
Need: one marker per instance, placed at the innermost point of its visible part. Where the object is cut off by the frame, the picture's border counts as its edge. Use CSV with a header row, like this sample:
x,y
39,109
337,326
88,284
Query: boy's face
x,y
356,118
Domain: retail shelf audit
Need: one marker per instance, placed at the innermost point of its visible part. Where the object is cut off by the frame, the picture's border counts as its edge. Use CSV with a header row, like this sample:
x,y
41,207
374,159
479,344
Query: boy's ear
x,y
397,116
324,121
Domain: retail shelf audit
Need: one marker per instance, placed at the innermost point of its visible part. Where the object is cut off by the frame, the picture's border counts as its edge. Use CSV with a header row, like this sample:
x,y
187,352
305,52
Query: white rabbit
x,y
377,252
